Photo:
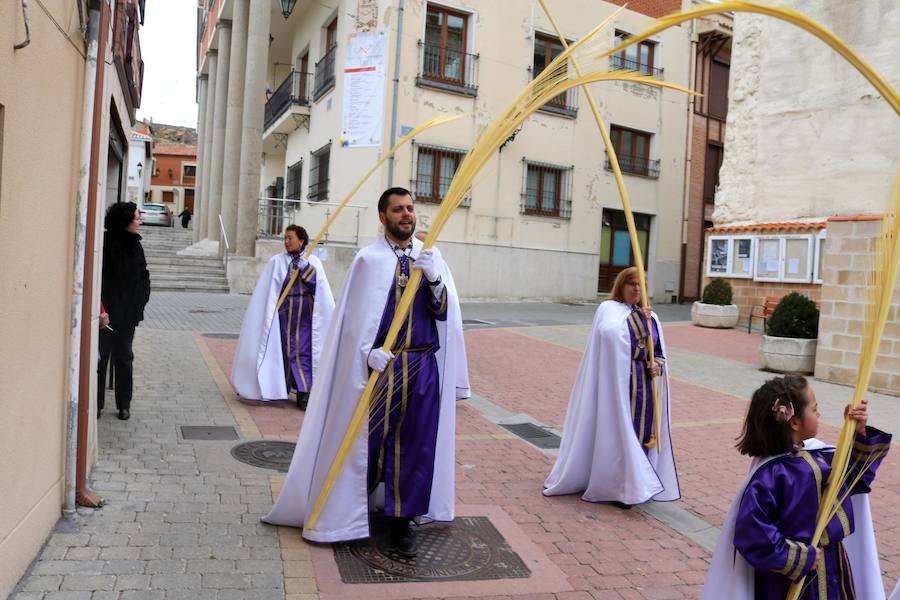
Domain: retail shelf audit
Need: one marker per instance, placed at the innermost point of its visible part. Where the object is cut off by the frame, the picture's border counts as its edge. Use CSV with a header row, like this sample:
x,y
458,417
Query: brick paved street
x,y
182,517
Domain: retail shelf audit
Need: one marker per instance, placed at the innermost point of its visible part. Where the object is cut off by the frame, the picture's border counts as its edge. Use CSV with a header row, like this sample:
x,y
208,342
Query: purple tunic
x,y
402,447
295,316
777,517
640,385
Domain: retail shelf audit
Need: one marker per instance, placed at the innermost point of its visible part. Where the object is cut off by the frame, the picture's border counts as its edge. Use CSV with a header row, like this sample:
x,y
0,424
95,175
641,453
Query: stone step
x,y
162,276
188,264
190,287
181,269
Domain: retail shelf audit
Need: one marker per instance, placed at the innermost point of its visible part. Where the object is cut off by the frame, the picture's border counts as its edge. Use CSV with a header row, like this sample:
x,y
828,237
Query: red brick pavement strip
x,y
733,344
606,553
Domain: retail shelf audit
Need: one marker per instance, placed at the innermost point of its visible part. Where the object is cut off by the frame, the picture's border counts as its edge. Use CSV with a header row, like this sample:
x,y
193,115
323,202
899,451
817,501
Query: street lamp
x,y
287,7
140,167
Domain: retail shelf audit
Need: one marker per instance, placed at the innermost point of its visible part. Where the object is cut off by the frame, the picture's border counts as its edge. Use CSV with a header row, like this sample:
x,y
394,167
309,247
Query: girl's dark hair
x,y
763,434
119,216
300,233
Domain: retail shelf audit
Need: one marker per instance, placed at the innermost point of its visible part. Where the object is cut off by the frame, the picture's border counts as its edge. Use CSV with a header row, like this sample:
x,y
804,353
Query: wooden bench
x,y
767,308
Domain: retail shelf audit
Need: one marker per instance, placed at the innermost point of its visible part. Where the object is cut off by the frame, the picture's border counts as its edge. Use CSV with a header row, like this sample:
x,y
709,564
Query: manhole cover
x,y
207,432
533,434
469,549
221,336
266,454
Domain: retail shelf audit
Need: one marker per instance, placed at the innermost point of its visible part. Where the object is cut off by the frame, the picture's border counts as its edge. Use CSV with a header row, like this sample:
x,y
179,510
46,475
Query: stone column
x,y
202,222
236,77
202,82
251,139
218,137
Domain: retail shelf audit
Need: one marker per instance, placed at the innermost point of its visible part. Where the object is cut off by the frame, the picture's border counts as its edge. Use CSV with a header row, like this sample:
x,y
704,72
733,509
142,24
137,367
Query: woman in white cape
x,y
601,453
259,371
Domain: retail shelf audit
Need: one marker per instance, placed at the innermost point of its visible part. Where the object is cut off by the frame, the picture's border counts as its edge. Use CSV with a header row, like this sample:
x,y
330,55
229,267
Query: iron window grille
x,y
325,73
640,57
547,48
318,174
546,189
434,168
293,189
633,152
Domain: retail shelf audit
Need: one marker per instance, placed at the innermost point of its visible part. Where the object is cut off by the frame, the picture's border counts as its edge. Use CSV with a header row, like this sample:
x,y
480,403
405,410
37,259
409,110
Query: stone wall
x,y
848,248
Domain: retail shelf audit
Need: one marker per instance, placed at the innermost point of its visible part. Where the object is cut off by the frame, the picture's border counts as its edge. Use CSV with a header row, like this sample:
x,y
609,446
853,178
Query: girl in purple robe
x,y
777,514
295,314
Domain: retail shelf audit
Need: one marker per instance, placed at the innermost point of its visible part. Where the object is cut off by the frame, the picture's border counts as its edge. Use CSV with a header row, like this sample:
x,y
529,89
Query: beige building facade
x,y
811,155
544,219
42,137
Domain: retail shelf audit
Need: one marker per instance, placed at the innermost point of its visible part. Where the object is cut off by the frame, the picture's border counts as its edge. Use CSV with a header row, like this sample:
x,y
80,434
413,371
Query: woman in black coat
x,y
125,292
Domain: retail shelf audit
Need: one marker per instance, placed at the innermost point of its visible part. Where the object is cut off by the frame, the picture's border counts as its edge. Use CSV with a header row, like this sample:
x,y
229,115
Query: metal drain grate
x,y
469,549
221,336
266,454
206,432
533,434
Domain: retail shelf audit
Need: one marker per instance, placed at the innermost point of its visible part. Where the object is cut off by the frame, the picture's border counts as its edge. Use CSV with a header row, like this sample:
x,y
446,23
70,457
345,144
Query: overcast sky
x,y
168,47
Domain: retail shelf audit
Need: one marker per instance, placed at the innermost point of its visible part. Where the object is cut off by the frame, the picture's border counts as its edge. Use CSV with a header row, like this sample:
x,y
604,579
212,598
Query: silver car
x,y
156,214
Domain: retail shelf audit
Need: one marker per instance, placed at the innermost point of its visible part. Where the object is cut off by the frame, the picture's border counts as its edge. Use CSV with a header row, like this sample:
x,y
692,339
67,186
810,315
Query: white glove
x,y
426,263
379,359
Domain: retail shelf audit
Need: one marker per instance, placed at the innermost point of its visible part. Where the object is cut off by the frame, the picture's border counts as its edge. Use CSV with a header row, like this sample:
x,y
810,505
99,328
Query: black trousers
x,y
116,345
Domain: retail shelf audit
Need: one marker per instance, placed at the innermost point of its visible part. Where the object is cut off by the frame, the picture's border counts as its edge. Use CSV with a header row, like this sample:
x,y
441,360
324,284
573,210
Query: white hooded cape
x,y
600,455
336,391
258,370
731,576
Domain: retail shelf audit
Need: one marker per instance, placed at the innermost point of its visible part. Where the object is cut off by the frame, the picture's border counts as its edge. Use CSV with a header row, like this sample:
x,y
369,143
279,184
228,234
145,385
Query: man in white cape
x,y
348,355
600,454
260,371
731,576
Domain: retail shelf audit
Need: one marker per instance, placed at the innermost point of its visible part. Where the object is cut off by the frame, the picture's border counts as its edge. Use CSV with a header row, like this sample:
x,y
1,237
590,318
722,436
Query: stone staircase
x,y
172,273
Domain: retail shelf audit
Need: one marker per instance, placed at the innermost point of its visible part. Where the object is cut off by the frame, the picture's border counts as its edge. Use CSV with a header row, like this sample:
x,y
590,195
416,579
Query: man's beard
x,y
398,233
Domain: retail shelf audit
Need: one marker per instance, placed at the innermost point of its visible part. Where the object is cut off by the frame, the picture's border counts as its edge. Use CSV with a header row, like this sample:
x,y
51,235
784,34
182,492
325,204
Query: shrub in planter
x,y
796,316
715,309
717,291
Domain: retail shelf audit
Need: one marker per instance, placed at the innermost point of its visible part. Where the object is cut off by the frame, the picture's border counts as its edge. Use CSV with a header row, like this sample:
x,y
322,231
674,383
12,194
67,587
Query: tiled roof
x,y
175,149
768,227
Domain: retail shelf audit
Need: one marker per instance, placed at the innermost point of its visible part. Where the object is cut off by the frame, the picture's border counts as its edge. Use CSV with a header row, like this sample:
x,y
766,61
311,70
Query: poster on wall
x,y
364,74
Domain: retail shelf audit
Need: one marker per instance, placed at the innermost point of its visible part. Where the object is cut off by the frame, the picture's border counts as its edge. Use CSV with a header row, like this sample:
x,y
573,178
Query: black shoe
x,y
302,401
403,540
124,415
621,505
99,412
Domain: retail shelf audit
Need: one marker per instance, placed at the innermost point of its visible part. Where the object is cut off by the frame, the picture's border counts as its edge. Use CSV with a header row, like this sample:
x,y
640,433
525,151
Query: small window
x,y
189,171
435,168
717,101
293,190
547,190
318,174
331,34
639,57
547,48
446,39
633,151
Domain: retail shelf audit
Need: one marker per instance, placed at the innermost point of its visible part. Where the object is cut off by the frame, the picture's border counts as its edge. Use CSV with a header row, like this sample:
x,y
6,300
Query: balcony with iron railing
x,y
324,78
293,91
447,69
617,62
637,166
275,214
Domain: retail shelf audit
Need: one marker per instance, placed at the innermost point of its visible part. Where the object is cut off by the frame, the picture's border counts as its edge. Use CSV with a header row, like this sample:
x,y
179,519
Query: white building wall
x,y
551,257
807,135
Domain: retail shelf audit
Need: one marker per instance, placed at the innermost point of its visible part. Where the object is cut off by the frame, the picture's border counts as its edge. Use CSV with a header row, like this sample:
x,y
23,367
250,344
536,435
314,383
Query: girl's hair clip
x,y
783,412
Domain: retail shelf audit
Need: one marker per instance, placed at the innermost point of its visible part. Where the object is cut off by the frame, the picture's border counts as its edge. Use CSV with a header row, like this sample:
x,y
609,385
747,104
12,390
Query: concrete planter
x,y
787,355
714,315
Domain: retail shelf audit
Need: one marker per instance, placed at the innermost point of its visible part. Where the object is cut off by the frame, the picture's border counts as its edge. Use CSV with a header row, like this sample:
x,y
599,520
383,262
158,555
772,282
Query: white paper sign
x,y
364,73
745,265
793,266
771,266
